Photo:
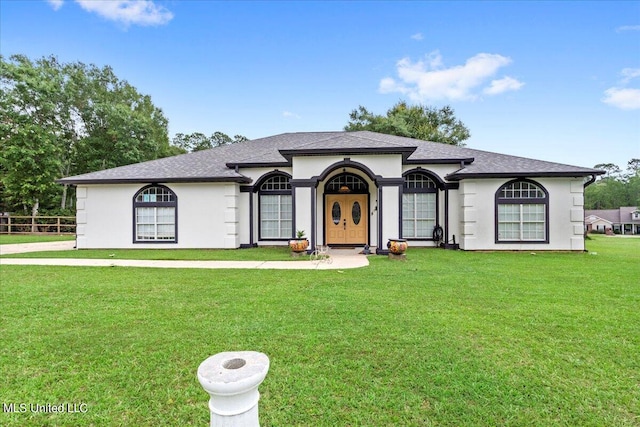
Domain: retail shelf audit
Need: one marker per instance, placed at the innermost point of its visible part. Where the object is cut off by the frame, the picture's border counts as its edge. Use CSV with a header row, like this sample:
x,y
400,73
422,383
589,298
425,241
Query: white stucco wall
x,y
208,216
217,215
387,166
477,215
303,211
441,170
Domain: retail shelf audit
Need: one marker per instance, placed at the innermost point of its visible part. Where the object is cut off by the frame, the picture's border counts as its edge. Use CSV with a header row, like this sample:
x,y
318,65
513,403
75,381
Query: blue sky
x,y
557,81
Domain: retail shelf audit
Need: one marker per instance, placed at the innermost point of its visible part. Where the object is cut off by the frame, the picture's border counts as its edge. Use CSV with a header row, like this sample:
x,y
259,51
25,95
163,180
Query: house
x,y
624,220
342,188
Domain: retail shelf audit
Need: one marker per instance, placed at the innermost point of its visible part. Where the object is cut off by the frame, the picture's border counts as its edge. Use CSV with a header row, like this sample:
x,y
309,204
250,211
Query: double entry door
x,y
346,219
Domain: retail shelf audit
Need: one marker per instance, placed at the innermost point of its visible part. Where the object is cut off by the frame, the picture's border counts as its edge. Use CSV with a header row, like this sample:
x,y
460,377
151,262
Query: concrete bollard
x,y
232,378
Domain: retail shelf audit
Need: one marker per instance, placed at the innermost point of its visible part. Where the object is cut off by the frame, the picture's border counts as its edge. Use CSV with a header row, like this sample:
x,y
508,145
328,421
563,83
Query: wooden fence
x,y
10,224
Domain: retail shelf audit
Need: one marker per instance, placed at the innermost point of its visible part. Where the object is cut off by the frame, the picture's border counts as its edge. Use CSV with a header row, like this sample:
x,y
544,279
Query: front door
x,y
346,219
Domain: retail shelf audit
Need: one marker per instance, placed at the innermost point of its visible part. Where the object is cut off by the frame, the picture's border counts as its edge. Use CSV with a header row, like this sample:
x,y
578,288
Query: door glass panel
x,y
356,213
335,213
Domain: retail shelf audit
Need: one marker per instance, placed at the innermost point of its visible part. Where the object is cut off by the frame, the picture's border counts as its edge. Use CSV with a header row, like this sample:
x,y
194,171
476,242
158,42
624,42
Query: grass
x,y
446,338
282,253
8,239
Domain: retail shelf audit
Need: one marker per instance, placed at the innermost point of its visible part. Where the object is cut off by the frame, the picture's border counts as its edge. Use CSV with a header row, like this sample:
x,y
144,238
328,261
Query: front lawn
x,y
281,253
446,338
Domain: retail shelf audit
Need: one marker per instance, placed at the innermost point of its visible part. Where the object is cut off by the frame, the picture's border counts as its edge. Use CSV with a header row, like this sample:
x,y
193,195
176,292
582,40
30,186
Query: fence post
x,y
9,225
232,379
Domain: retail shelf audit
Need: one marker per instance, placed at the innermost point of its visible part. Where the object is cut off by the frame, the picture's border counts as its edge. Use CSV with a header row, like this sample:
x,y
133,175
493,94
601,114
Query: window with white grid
x,y
419,206
418,215
276,208
155,215
522,212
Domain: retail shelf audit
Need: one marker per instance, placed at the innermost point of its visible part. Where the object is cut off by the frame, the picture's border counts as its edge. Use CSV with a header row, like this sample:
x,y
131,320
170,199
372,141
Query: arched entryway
x,y
346,210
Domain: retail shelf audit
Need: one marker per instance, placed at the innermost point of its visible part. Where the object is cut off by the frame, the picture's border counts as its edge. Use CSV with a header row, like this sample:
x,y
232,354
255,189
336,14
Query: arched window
x,y
346,183
276,208
419,206
522,208
155,212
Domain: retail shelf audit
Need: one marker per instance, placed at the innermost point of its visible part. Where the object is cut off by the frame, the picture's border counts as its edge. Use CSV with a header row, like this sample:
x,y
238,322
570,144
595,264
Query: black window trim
x,y
522,201
439,185
137,204
258,189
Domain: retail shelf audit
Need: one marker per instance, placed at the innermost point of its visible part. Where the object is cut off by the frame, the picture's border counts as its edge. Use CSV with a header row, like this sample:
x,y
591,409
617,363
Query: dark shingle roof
x,y
616,216
218,164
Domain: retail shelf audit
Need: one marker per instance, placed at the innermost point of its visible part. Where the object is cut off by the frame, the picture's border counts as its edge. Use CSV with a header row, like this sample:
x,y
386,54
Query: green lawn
x,y
446,338
7,239
282,253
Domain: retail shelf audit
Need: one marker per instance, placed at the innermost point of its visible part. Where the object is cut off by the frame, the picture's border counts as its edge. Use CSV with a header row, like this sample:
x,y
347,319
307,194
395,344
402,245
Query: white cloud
x,y
628,28
505,84
629,73
428,79
289,114
138,12
417,36
55,4
623,98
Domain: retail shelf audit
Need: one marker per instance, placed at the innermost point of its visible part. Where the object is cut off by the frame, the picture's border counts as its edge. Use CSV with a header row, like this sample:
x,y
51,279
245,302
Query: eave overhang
x,y
71,181
480,175
233,165
405,152
463,161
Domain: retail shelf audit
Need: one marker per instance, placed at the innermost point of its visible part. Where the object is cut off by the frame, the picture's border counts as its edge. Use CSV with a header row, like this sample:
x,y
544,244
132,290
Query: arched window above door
x,y
346,183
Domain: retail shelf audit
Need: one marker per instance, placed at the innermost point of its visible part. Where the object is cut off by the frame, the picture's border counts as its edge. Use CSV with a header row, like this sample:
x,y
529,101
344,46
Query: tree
x,y
30,126
198,141
633,167
611,170
65,119
417,121
119,125
633,182
615,188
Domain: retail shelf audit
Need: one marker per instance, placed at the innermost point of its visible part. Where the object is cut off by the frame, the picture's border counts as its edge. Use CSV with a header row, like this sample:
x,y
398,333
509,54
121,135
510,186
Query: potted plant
x,y
397,246
300,243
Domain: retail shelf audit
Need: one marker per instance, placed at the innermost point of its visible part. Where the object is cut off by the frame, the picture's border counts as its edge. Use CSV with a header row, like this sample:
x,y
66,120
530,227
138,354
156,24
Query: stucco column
x,y
232,380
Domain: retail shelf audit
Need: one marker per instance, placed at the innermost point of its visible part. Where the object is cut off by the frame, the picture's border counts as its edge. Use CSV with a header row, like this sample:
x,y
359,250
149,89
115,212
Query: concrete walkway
x,y
341,260
19,248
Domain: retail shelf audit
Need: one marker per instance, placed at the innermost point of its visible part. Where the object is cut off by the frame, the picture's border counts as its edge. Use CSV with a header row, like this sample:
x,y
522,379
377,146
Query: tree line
x,y
616,188
62,119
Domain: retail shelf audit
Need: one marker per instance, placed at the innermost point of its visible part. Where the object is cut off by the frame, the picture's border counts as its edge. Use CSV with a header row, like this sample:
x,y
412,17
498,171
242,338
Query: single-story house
x,y
342,189
624,220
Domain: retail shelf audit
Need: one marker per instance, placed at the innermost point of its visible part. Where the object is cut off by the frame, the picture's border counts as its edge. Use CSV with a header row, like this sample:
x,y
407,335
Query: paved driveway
x,y
19,248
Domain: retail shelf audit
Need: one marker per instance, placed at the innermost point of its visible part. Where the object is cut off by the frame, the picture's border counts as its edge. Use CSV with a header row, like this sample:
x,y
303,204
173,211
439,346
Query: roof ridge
x,y
388,134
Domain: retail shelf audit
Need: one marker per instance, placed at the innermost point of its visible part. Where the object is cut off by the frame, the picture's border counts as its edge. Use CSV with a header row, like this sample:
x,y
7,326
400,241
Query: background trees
x,y
416,121
616,188
197,141
65,119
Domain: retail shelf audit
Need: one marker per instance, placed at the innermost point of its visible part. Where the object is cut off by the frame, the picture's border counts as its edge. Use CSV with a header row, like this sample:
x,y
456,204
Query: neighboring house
x,y
342,188
624,220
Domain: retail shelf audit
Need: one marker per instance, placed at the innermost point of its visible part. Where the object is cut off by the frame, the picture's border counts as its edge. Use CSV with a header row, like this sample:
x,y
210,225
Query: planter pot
x,y
397,246
299,245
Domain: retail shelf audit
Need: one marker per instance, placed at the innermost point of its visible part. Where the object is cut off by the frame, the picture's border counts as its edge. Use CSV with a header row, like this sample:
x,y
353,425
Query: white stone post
x,y
232,379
